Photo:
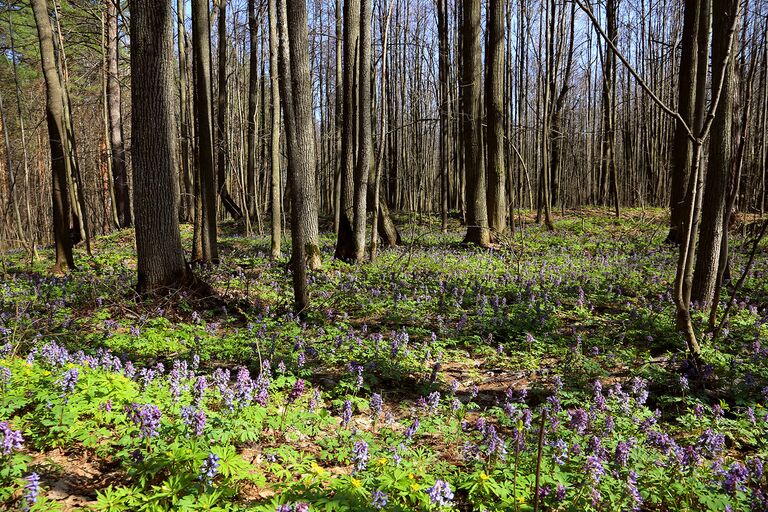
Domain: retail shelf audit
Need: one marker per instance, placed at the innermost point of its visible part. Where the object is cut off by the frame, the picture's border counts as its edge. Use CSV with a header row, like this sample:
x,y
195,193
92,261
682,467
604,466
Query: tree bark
x,y
365,142
201,47
477,210
117,148
222,145
56,136
497,172
160,256
300,133
345,242
275,169
720,155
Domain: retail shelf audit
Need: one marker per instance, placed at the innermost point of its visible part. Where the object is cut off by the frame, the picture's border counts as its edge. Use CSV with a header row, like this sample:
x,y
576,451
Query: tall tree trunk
x,y
275,170
56,135
720,156
365,135
445,110
477,209
201,47
300,134
117,149
497,172
682,151
160,257
188,202
253,104
222,146
345,241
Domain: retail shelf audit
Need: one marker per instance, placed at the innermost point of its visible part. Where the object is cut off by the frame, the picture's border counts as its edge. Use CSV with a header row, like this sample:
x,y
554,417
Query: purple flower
x,y
297,391
595,468
579,420
360,455
713,442
68,381
560,492
11,439
736,477
376,404
209,468
379,499
433,401
31,491
346,413
561,452
440,494
621,455
201,384
637,500
146,417
410,431
5,375
194,419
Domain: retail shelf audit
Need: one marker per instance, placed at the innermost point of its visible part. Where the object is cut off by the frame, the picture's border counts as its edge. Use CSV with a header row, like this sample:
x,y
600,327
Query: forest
x,y
399,255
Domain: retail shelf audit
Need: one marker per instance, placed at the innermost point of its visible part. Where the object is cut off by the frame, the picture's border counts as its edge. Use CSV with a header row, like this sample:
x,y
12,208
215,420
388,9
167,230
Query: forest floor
x,y
438,377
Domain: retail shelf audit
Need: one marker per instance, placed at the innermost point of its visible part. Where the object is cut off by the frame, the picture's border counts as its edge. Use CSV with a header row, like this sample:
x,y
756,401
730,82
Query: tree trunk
x,y
253,104
160,257
300,133
201,47
471,78
497,172
720,154
365,141
275,169
188,202
56,135
682,150
345,242
117,149
222,146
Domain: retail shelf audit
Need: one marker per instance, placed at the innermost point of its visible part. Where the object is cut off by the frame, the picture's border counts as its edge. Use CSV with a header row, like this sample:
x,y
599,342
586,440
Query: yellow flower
x,y
411,476
355,482
381,461
415,487
317,469
483,476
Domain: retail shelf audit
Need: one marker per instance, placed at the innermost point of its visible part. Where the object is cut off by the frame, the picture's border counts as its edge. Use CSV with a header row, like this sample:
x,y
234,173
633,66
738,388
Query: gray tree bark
x,y
160,256
56,136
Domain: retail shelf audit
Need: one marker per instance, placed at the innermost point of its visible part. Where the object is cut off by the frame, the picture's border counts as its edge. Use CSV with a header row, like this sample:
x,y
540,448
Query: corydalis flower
x,y
31,491
146,417
68,381
376,404
379,499
440,494
209,468
410,431
360,455
11,439
296,392
346,413
194,419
